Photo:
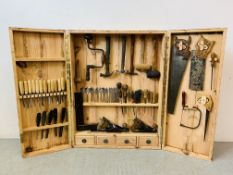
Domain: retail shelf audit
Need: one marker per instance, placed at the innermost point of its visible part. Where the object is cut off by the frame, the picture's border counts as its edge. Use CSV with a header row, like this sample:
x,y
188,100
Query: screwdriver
x,y
21,91
25,84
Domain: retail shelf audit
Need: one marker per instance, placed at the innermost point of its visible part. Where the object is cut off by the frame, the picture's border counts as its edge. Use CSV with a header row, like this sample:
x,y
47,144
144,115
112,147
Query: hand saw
x,y
198,62
180,56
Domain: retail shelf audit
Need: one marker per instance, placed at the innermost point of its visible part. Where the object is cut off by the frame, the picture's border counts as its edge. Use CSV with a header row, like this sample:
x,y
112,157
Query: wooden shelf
x,y
52,94
39,59
35,128
90,104
47,150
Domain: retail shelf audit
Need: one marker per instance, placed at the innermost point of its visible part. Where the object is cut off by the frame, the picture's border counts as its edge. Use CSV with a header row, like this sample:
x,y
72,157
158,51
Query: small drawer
x,y
106,140
126,141
148,141
84,140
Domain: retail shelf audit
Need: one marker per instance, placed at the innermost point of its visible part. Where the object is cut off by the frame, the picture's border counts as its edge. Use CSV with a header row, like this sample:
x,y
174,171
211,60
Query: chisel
x,y
56,90
41,91
52,88
30,91
55,120
63,86
25,84
38,121
45,88
50,118
59,89
62,119
43,121
21,91
37,88
49,91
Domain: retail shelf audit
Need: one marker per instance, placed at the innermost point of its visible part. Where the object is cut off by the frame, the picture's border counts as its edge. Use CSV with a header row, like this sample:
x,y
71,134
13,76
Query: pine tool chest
x,y
117,89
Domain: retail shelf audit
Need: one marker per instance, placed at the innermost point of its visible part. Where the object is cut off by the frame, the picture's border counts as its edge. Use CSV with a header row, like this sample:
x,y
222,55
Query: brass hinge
x,y
21,137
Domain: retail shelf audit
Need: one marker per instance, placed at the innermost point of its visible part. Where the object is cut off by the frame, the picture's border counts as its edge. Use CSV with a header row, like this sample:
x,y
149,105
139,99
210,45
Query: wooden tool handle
x,y
41,86
49,85
63,84
183,99
55,86
52,86
33,84
59,85
45,89
37,87
25,84
29,86
21,88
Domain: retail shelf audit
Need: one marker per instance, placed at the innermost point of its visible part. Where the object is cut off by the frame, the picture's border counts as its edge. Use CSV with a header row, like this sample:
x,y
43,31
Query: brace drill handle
x,y
107,59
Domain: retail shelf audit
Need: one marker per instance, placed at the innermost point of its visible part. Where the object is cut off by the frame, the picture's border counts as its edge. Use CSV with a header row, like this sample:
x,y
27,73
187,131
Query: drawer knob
x,y
148,141
105,141
84,140
126,141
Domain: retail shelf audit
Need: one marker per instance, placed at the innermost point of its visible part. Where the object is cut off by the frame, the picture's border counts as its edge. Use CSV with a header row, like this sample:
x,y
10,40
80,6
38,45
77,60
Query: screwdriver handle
x,y
37,87
45,89
25,84
41,86
21,88
33,86
30,86
49,85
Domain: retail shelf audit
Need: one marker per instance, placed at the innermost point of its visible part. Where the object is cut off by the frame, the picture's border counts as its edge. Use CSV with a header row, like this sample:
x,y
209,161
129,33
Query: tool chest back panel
x,y
111,89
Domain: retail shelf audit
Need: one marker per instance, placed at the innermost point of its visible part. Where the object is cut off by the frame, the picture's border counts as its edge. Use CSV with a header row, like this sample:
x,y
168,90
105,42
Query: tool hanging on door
x,y
89,40
214,60
194,110
205,100
179,60
198,62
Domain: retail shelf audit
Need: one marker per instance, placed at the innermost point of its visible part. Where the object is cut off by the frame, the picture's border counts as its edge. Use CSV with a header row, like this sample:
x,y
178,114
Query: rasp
x,y
180,56
198,62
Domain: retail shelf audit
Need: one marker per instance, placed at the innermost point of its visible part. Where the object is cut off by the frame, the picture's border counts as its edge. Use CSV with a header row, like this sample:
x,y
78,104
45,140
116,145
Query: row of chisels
x,y
122,93
39,89
49,118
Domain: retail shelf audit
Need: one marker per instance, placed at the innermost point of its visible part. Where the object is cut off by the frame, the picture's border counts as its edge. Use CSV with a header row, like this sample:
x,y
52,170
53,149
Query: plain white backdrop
x,y
118,14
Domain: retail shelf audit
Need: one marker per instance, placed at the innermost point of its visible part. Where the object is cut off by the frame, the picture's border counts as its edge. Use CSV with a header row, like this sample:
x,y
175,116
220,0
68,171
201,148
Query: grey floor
x,y
112,162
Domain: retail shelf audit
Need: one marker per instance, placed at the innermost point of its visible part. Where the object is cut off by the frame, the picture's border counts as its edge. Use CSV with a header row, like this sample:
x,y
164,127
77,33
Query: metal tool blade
x,y
178,66
197,73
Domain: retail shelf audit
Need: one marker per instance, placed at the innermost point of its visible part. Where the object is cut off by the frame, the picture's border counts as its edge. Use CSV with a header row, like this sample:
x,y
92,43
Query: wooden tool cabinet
x,y
40,54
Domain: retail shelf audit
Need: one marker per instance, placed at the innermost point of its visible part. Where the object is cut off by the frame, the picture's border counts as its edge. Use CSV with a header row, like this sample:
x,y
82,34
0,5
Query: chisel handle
x,y
59,85
55,86
41,86
21,88
33,84
52,85
63,84
29,86
183,99
45,89
37,86
25,84
49,85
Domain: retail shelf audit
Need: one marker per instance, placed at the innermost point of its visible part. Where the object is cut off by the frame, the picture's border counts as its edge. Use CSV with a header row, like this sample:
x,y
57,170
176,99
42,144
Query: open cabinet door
x,y
42,81
193,76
